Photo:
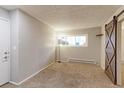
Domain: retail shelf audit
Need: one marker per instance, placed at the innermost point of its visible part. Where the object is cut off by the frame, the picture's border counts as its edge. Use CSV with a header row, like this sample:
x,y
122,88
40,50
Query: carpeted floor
x,y
68,75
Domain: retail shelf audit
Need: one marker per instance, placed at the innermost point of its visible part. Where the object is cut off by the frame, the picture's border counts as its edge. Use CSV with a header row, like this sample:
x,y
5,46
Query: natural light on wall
x,y
72,40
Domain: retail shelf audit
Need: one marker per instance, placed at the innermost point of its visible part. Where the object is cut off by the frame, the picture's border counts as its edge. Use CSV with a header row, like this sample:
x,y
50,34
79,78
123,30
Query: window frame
x,y
86,45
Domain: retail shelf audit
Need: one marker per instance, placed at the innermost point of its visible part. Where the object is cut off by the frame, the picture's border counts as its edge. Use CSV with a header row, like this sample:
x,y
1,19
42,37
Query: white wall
x,y
90,53
122,38
4,13
36,45
33,45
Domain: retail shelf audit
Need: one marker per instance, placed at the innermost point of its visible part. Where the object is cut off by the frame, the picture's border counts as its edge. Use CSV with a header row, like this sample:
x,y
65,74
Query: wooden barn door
x,y
110,50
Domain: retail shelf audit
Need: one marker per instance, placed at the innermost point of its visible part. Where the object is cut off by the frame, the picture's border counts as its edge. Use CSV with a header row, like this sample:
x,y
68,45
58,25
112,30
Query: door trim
x,y
7,20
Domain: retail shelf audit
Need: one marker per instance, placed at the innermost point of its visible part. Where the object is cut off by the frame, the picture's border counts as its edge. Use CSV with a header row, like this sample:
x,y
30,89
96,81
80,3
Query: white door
x,y
4,51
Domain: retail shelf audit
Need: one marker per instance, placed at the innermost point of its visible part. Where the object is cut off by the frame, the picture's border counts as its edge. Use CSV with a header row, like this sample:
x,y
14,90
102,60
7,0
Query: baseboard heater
x,y
58,61
81,60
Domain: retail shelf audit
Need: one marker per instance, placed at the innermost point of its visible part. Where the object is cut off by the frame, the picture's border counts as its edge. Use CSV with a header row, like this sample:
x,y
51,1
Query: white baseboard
x,y
14,83
61,61
30,75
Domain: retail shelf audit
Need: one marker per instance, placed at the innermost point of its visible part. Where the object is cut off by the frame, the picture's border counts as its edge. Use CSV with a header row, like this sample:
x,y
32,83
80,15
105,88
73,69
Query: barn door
x,y
110,50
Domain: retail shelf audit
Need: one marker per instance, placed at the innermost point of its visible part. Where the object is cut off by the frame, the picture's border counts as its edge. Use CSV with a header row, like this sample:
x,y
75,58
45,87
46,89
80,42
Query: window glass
x,y
72,40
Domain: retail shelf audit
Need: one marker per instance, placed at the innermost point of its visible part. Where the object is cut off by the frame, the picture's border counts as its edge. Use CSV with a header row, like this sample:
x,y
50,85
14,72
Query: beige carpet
x,y
68,75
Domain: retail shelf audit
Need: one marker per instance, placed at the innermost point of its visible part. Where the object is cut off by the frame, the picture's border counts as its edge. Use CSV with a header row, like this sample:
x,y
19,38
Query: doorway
x,y
4,51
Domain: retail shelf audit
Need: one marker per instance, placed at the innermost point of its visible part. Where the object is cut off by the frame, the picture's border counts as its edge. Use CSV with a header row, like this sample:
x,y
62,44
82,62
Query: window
x,y
67,40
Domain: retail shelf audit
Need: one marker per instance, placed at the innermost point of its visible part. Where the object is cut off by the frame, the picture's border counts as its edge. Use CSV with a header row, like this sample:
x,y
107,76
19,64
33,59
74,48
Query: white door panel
x,y
4,51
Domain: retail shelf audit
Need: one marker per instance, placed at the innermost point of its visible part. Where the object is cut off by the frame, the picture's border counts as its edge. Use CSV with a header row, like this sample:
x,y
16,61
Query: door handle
x,y
5,57
6,52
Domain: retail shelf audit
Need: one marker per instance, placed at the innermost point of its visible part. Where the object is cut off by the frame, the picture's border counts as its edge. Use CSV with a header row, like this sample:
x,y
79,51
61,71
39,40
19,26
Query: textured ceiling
x,y
63,17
